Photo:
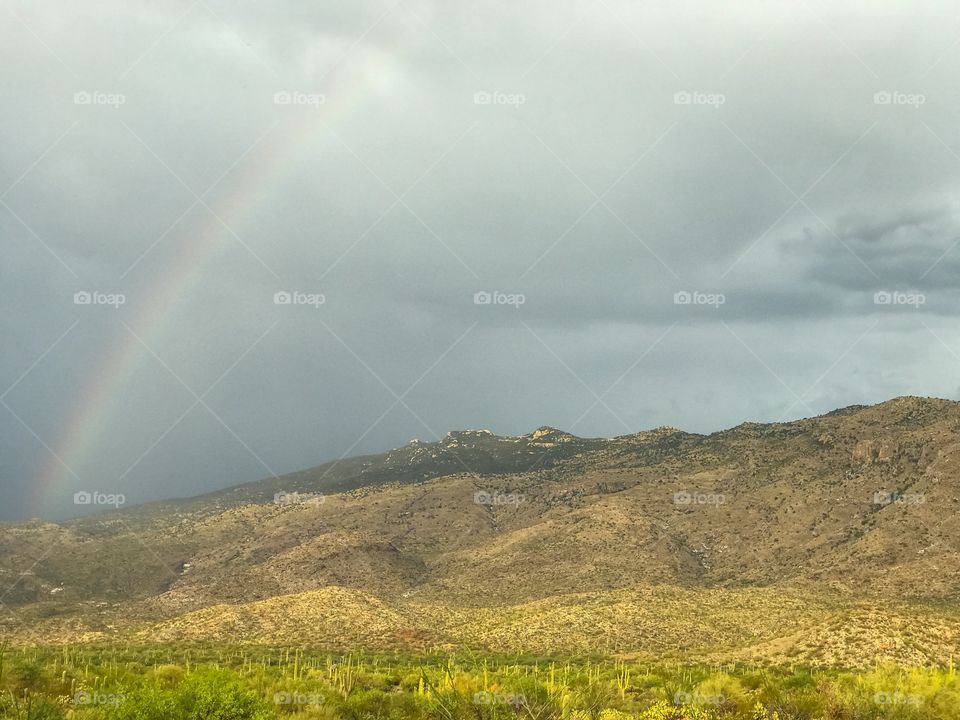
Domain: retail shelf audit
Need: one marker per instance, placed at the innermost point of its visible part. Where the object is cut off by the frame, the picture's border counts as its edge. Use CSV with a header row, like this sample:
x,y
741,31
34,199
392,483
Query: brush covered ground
x,y
831,541
202,682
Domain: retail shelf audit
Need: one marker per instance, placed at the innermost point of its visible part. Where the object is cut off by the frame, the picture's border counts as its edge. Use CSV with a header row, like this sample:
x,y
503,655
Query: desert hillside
x,y
831,539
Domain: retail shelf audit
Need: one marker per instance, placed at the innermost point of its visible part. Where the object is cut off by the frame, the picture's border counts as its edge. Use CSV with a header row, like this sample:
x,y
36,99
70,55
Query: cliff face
x,y
872,451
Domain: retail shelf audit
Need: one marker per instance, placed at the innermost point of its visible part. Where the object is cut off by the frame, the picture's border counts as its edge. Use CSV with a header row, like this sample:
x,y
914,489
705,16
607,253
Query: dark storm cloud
x,y
908,248
679,215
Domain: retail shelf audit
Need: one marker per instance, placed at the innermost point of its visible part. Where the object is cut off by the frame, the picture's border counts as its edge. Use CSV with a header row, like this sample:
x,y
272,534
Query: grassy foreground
x,y
219,683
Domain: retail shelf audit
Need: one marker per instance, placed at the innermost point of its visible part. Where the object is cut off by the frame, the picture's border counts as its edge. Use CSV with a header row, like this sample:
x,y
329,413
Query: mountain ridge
x,y
366,459
851,514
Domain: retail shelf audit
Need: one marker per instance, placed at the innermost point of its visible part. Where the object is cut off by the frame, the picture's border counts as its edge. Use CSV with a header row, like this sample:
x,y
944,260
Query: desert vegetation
x,y
794,571
209,682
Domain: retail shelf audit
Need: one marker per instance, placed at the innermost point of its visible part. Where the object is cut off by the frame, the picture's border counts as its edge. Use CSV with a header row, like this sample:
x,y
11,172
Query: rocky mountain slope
x,y
833,539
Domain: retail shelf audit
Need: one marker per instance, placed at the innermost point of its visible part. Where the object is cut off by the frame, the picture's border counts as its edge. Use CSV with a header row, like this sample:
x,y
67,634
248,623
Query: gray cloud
x,y
597,159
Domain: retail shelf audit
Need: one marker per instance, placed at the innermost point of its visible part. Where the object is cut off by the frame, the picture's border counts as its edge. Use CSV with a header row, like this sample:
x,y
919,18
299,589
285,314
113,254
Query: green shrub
x,y
211,695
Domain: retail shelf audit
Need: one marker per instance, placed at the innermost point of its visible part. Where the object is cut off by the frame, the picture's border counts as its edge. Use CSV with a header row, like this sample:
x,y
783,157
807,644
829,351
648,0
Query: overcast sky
x,y
590,165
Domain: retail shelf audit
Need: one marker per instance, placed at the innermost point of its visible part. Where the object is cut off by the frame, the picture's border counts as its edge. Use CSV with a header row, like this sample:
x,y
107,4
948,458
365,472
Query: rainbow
x,y
264,172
